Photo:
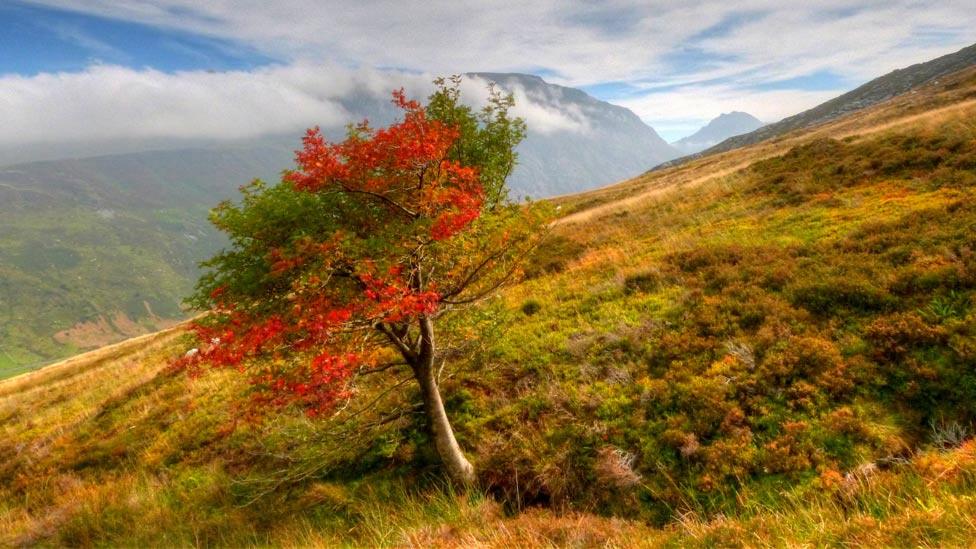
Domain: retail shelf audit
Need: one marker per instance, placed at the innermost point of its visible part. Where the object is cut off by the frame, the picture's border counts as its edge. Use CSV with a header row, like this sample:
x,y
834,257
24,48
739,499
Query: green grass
x,y
63,267
770,358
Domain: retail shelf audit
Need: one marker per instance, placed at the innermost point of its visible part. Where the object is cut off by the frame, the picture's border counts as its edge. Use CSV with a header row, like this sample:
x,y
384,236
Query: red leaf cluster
x,y
337,292
406,164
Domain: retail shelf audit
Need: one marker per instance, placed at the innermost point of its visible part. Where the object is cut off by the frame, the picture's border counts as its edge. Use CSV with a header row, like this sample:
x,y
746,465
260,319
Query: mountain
x,y
574,141
880,89
97,249
105,247
780,358
598,143
719,129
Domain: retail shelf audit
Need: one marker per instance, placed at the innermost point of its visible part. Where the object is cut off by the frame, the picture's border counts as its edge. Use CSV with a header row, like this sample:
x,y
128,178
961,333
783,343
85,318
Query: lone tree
x,y
344,267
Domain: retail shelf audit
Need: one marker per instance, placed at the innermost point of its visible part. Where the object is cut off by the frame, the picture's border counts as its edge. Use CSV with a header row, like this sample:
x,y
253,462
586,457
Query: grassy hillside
x,y
73,279
897,82
98,249
771,346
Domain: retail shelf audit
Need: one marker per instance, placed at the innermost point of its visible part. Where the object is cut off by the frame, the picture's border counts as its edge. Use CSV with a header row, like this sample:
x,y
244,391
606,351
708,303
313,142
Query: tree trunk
x,y
459,469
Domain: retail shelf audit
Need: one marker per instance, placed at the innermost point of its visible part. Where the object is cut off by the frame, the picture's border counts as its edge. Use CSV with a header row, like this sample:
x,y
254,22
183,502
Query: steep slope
x,y
766,347
717,130
876,91
596,144
97,249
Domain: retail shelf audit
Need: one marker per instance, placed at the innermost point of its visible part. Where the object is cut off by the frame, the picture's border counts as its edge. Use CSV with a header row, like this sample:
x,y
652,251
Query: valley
x,y
101,248
765,346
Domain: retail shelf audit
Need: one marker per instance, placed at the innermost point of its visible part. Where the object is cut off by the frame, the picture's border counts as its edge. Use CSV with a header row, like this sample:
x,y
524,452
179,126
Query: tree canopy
x,y
343,267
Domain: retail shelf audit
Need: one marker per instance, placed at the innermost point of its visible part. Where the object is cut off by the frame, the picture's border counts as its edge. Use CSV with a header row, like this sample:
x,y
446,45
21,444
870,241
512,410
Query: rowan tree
x,y
344,267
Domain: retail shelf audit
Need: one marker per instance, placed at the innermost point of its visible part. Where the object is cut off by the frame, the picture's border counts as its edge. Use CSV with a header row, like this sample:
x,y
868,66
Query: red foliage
x,y
405,163
403,167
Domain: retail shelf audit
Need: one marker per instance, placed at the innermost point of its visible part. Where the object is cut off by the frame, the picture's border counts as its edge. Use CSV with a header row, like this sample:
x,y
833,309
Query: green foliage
x,y
781,356
488,138
946,307
267,217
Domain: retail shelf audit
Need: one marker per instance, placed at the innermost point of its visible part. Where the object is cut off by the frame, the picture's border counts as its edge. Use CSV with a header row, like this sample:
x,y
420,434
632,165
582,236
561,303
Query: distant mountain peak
x,y
735,114
896,82
734,117
615,145
497,76
719,129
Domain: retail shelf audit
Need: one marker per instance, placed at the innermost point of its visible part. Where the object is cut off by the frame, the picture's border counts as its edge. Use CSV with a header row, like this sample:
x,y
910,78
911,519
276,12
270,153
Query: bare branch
x,y
383,368
407,352
501,281
384,198
471,276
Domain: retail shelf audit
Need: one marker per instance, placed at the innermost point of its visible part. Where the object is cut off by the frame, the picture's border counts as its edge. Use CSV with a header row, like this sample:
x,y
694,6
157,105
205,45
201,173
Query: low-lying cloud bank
x,y
109,103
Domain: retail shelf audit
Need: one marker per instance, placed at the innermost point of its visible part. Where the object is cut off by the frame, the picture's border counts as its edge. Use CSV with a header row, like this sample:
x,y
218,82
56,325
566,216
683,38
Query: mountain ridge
x,y
873,92
128,229
718,129
615,144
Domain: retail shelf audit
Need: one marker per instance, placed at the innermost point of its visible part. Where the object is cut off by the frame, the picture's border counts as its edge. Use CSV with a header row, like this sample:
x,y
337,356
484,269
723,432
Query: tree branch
x,y
383,367
382,197
405,351
471,276
508,275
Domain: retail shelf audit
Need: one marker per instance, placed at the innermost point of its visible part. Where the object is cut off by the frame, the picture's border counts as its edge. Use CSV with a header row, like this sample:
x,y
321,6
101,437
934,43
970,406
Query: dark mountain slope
x,y
97,249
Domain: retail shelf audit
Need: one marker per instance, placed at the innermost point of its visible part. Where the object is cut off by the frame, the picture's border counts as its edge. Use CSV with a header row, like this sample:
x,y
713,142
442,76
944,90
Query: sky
x,y
123,69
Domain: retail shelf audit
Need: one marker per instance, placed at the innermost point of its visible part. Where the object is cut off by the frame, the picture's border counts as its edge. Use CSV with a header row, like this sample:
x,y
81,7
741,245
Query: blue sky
x,y
38,39
677,64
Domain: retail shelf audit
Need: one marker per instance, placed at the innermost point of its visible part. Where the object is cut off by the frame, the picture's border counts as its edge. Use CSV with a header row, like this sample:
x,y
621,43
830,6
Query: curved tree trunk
x,y
459,469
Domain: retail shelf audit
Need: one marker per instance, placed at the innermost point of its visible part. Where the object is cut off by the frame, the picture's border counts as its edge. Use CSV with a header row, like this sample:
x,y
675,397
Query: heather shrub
x,y
531,307
646,281
841,294
553,255
895,336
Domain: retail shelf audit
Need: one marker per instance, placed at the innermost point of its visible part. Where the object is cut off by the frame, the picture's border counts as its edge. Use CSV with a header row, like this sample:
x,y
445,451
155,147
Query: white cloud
x,y
695,59
668,109
545,115
616,40
107,103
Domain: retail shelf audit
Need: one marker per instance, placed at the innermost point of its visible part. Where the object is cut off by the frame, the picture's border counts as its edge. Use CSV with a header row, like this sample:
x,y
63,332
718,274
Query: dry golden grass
x,y
930,106
108,449
79,364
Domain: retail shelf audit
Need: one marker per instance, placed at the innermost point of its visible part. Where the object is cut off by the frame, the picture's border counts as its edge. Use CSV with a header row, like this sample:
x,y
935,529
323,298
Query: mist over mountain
x,y
99,248
574,141
598,143
719,129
